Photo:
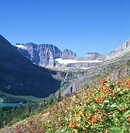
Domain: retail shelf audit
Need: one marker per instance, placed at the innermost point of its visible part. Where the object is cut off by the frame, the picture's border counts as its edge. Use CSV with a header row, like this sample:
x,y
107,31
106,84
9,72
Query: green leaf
x,y
115,130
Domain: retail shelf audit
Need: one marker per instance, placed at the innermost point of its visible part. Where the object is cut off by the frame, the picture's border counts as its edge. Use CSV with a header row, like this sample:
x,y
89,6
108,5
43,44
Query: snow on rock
x,y
67,61
21,46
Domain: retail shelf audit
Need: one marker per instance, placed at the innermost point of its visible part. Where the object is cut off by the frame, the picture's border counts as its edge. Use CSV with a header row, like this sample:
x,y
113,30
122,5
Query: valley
x,y
51,80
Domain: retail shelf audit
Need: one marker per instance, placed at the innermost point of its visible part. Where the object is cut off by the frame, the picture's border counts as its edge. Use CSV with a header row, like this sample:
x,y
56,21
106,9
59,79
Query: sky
x,y
78,25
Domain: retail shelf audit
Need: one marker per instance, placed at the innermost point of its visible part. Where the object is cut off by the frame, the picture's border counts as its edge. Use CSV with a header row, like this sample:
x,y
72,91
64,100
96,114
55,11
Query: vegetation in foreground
x,y
103,109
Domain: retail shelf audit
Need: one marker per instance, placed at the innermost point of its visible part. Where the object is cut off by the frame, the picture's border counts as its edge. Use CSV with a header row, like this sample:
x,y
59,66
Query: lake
x,y
11,104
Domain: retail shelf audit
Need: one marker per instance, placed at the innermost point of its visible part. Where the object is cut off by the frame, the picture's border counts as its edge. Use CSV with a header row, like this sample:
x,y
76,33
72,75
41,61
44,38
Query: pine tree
x,y
59,96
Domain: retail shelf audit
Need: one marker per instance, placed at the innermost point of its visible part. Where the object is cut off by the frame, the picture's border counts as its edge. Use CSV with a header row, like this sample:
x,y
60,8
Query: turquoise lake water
x,y
11,104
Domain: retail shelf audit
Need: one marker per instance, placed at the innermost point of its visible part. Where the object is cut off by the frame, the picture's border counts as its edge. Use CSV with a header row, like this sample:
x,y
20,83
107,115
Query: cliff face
x,y
19,76
47,54
119,51
68,54
44,54
94,56
90,56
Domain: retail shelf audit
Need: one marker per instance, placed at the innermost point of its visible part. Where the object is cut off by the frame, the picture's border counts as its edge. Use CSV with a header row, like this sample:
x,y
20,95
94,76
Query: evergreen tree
x,y
28,108
59,96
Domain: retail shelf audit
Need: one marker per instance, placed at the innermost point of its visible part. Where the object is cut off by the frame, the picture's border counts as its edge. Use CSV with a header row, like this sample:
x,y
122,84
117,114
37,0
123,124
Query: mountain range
x,y
48,55
23,72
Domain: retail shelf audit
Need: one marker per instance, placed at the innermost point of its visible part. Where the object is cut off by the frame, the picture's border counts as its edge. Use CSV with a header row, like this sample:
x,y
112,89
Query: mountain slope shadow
x,y
19,76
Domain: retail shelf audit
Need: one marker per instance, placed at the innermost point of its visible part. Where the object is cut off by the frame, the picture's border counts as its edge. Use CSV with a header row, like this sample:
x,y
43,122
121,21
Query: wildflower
x,y
103,81
127,83
121,108
128,119
99,99
89,90
72,102
94,120
79,103
89,100
85,113
72,125
106,90
100,86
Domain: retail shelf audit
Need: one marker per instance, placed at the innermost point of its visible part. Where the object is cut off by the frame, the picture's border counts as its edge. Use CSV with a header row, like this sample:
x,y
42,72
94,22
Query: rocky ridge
x,y
46,54
115,66
120,50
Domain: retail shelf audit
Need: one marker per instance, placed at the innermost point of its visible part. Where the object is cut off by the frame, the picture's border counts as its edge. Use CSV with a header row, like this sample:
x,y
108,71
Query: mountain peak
x,y
68,54
94,56
120,50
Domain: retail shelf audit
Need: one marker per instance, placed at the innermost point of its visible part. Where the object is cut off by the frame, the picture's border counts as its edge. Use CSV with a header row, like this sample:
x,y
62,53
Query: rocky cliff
x,y
68,54
19,76
119,51
113,69
94,56
90,56
44,54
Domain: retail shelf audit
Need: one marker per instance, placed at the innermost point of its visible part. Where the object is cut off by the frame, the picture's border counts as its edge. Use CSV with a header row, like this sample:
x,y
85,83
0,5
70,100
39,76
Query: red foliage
x,y
72,125
127,83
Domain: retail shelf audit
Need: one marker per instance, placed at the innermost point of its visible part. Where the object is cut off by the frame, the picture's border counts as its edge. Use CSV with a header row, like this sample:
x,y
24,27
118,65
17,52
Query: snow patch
x,y
21,47
67,61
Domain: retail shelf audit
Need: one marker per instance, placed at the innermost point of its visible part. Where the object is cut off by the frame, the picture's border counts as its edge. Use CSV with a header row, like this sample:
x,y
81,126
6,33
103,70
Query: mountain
x,y
119,51
94,56
118,66
48,55
19,76
44,54
68,54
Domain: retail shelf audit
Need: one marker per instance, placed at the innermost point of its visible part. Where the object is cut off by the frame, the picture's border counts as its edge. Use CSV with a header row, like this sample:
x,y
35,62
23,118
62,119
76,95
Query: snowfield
x,y
21,47
67,61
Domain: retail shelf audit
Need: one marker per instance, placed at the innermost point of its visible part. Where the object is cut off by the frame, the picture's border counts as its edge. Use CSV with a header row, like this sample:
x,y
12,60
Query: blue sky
x,y
79,25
